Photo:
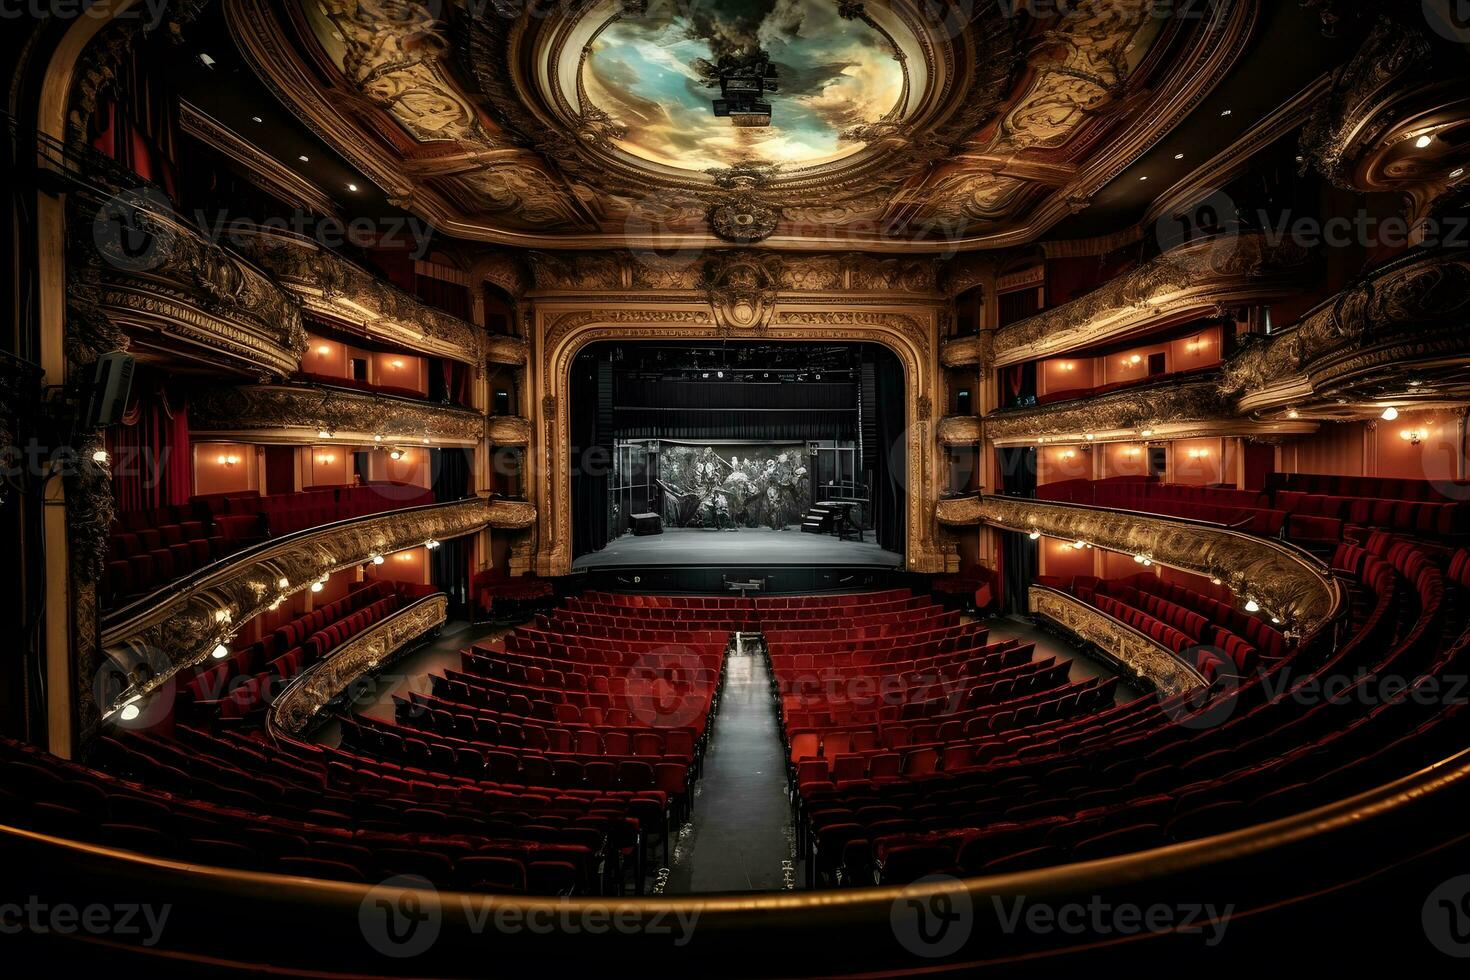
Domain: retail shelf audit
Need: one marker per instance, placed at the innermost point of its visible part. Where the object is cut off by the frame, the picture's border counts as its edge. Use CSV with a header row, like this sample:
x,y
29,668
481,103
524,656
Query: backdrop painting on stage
x,y
752,485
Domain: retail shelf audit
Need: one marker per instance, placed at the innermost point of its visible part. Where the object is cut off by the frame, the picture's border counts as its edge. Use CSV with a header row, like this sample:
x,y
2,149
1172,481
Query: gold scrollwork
x,y
1147,659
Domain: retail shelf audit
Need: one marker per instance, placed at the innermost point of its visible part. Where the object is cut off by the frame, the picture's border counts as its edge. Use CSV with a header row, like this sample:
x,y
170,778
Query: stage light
x,y
316,586
395,454
377,559
1389,414
220,651
431,544
1034,535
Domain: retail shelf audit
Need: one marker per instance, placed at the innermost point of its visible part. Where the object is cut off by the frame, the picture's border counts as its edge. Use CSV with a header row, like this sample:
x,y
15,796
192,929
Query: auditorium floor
x,y
740,838
747,546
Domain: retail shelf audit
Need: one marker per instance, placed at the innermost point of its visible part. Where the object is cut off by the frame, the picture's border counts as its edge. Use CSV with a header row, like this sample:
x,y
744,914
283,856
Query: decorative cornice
x,y
1407,321
1198,278
154,276
296,708
959,430
154,638
296,413
339,292
1147,659
508,430
1288,583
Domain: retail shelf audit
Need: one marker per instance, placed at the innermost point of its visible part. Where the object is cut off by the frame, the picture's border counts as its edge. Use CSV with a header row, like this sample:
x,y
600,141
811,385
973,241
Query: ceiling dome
x,y
643,70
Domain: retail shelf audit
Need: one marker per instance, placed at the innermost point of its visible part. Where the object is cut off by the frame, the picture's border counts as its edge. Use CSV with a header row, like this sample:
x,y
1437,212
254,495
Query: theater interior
x,y
766,488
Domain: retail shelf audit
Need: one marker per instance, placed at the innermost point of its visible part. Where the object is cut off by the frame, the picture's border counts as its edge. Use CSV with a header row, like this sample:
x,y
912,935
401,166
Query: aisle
x,y
740,837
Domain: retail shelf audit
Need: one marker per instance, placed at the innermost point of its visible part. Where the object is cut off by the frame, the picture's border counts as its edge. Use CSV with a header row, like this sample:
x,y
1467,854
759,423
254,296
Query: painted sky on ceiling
x,y
834,74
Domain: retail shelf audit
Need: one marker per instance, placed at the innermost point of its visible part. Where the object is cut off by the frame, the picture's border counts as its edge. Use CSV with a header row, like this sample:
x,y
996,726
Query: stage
x,y
702,560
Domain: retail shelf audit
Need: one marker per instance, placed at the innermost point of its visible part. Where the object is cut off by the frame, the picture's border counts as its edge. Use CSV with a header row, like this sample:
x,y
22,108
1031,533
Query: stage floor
x,y
756,546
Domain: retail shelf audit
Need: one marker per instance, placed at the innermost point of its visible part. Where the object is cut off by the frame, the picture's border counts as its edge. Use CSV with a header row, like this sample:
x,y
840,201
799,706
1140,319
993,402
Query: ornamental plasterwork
x,y
1147,659
1288,583
1407,322
297,707
299,412
959,430
336,290
150,274
1202,276
176,628
819,272
508,430
1151,407
475,121
958,352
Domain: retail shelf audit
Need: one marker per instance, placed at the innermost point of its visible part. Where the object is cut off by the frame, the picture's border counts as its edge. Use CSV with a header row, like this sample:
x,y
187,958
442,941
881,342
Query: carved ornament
x,y
299,412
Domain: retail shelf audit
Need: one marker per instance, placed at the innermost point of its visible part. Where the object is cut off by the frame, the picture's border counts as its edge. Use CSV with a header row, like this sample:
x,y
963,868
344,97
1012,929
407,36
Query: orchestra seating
x,y
149,549
498,597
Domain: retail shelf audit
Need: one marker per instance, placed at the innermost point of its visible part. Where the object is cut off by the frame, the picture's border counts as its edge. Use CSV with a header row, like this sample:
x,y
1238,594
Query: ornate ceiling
x,y
899,124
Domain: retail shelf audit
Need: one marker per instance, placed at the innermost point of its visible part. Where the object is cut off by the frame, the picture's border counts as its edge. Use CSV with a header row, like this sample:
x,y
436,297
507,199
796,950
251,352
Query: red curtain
x,y
136,124
450,297
280,469
151,464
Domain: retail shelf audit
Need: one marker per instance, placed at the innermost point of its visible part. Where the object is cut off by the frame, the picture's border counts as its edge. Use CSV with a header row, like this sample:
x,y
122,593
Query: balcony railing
x,y
297,413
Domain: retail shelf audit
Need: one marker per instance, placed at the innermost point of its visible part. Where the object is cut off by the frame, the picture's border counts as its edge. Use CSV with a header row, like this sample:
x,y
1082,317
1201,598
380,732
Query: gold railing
x,y
1143,656
297,413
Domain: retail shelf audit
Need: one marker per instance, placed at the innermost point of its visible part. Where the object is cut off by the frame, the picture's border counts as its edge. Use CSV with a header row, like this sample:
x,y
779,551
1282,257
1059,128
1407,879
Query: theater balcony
x,y
508,430
176,295
341,294
185,623
959,430
302,414
1183,284
961,352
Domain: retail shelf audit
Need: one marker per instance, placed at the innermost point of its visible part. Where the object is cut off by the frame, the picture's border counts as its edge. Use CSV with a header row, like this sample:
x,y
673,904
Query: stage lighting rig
x,y
742,85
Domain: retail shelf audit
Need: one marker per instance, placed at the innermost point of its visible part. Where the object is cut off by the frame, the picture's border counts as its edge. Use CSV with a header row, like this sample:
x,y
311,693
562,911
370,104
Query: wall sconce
x,y
404,556
1198,454
1069,455
1414,436
396,362
1133,452
323,350
227,460
1067,366
1135,359
326,458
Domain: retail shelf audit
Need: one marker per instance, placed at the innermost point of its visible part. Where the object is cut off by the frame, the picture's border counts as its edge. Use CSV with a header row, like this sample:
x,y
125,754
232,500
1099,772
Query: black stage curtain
x,y
734,410
589,466
451,473
891,476
1019,562
449,569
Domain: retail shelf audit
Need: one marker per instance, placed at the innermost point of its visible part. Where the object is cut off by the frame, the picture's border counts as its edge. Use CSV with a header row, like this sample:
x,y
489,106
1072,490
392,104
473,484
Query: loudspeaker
x,y
112,382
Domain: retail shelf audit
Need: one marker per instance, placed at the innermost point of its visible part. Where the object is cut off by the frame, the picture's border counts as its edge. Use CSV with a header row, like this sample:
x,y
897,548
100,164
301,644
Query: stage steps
x,y
818,520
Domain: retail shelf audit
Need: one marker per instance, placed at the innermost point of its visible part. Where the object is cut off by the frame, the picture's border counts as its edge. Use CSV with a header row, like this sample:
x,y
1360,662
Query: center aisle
x,y
741,835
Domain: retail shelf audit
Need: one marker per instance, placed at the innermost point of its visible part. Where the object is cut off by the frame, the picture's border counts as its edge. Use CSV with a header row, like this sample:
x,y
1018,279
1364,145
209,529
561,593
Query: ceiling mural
x,y
644,71
893,124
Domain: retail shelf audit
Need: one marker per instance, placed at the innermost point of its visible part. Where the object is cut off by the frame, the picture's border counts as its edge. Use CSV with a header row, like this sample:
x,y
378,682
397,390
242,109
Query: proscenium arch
x,y
564,333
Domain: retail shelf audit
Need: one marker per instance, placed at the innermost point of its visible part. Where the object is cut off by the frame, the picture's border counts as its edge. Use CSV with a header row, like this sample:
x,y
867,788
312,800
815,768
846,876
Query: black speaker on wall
x,y
112,382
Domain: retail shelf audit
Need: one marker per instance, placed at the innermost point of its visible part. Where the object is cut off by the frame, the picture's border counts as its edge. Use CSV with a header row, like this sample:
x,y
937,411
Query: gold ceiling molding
x,y
257,166
959,430
977,160
566,326
960,352
296,708
1288,583
342,293
833,272
1197,279
175,293
1408,321
177,627
297,413
1147,659
508,430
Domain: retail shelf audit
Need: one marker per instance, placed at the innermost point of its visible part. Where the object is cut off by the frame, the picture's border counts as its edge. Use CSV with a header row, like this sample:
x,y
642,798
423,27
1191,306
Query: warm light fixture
x,y
1293,413
1389,414
1199,453
1034,535
220,651
377,559
227,459
1146,433
323,434
431,544
1079,545
1252,606
404,556
395,454
1423,142
129,712
397,362
316,586
426,440
1068,366
1090,437
323,349
1217,581
1069,454
377,438
352,187
284,582
1414,436
326,458
100,457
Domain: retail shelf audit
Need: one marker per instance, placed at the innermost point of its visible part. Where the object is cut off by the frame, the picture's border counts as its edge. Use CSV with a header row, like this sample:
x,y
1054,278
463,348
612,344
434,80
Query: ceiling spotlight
x,y
395,454
1034,535
220,651
1227,112
1252,606
100,457
1179,156
1422,143
304,158
431,544
1457,173
316,586
719,374
352,187
206,60
1079,545
1389,414
256,119
129,712
1144,177
377,559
